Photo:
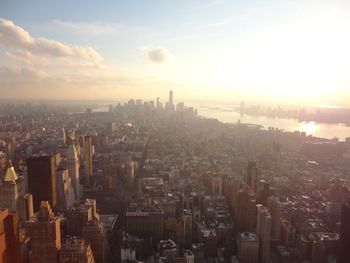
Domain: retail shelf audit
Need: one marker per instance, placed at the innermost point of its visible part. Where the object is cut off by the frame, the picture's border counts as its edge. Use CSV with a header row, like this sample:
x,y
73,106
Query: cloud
x,y
27,58
94,29
12,75
157,55
42,68
13,36
210,4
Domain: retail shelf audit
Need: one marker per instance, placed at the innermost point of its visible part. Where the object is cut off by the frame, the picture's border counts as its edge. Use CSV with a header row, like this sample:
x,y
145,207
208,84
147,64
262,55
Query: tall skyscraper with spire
x,y
12,192
170,103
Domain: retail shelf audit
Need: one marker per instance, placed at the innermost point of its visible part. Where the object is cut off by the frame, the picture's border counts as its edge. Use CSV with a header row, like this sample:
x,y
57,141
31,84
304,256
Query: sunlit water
x,y
322,130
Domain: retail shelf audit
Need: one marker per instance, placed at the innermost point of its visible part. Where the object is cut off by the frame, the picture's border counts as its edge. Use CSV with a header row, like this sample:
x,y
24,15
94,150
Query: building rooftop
x,y
109,221
248,236
82,205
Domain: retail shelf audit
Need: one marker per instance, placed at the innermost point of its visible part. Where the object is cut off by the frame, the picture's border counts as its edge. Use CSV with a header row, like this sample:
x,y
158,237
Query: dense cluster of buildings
x,y
149,182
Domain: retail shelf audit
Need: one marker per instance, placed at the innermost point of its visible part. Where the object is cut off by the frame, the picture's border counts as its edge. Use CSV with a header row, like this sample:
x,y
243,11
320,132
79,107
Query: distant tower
x,y
170,105
343,247
171,100
88,155
241,108
12,192
45,236
42,179
263,230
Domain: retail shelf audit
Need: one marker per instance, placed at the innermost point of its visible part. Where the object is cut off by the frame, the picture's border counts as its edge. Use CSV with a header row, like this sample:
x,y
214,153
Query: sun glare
x,y
309,127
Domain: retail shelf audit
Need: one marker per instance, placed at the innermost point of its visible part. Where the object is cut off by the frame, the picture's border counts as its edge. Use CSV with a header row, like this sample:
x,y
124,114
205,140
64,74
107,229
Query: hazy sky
x,y
274,51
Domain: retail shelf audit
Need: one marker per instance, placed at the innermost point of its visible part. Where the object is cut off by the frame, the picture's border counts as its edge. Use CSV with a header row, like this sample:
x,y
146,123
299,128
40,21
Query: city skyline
x,y
272,52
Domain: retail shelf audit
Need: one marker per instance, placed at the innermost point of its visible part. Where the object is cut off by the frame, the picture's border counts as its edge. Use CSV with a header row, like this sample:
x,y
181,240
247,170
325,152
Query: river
x,y
322,130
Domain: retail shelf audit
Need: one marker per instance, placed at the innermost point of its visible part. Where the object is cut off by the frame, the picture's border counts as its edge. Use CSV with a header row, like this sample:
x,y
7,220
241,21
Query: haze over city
x,y
291,52
187,131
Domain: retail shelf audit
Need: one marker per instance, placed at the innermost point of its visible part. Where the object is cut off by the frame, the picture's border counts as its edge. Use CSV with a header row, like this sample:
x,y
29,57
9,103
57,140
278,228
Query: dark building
x,y
344,242
42,179
145,222
252,176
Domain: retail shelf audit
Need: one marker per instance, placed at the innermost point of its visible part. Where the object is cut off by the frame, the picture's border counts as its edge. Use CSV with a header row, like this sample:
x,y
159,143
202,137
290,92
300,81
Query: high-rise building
x,y
274,206
159,105
9,238
145,222
170,104
245,210
42,179
93,232
248,247
28,204
180,107
81,213
171,98
187,221
45,235
65,190
263,230
76,250
73,166
88,155
12,192
252,176
210,244
343,247
318,254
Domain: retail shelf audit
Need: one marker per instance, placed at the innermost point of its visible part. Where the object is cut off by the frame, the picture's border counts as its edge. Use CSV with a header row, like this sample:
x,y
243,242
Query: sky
x,y
280,52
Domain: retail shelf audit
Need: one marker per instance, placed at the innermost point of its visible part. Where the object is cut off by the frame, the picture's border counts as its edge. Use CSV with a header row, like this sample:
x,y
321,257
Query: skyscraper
x,y
187,221
248,247
42,179
245,210
343,247
82,212
170,104
274,206
93,233
44,231
12,192
76,250
9,238
88,155
263,230
73,166
171,101
252,176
